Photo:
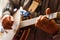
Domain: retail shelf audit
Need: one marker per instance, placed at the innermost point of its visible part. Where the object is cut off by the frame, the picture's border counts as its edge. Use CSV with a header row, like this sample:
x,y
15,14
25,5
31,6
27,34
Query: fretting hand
x,y
45,24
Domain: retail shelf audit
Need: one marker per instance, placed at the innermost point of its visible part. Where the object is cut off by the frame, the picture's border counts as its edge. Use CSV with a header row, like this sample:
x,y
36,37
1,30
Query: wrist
x,y
6,13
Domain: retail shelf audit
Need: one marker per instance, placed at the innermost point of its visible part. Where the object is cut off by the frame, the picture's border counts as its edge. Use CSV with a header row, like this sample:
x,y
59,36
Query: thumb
x,y
48,11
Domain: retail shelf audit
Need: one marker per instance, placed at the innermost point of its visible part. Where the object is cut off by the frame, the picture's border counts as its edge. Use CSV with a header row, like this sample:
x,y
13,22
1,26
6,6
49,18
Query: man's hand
x,y
45,24
7,22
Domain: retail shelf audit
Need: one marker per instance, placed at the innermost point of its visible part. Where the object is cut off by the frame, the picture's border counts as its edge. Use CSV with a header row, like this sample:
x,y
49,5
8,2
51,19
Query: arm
x,y
7,19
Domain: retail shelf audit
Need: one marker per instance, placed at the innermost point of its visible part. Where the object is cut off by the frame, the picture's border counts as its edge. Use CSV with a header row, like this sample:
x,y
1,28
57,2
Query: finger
x,y
12,19
41,23
44,20
48,11
43,17
38,20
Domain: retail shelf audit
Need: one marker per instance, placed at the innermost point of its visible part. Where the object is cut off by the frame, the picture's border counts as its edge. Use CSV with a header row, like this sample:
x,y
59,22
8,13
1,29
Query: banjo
x,y
21,24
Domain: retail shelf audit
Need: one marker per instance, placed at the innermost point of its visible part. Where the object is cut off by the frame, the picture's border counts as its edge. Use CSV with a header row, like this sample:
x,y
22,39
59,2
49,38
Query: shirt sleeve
x,y
8,9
